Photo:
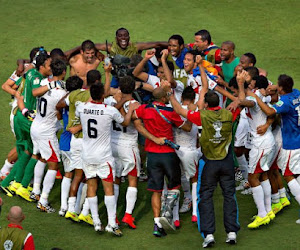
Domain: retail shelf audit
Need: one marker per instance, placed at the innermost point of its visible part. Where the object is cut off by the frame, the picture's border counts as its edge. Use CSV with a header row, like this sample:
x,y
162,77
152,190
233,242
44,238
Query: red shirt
x,y
194,116
28,242
157,126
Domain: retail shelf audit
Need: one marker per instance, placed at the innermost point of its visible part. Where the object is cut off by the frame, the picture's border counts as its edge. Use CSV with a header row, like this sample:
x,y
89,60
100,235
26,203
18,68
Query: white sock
x,y
93,202
65,189
38,176
116,192
275,198
258,196
47,186
298,179
194,196
282,192
186,187
267,194
176,211
110,203
156,221
295,189
131,197
6,167
86,207
83,195
78,198
243,165
165,189
71,204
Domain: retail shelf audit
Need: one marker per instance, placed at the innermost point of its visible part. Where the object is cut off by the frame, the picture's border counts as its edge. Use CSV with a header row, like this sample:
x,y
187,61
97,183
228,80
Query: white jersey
x,y
124,135
257,117
154,81
44,126
186,139
96,120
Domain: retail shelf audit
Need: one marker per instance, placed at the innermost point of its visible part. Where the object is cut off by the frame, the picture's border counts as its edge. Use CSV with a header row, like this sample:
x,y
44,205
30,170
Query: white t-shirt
x,y
96,120
44,126
257,117
154,81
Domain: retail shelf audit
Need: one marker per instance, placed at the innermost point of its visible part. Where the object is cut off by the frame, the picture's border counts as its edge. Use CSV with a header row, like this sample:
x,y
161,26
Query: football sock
x,y
275,198
165,189
47,186
6,167
295,189
258,196
86,207
194,196
243,165
116,192
156,221
21,163
71,204
176,211
282,192
93,203
29,170
131,197
78,198
298,179
65,189
110,203
38,177
267,194
186,188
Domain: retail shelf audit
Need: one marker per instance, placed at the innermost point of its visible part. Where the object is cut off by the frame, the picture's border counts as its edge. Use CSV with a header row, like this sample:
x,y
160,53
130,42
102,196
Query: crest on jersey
x,y
36,81
217,126
8,245
279,103
77,103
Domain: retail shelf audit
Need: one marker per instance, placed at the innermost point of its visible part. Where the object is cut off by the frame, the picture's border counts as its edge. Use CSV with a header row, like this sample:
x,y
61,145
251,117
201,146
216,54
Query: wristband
x,y
24,110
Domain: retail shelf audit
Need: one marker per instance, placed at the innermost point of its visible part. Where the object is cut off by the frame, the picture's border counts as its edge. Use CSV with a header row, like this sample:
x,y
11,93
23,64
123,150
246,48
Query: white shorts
x,y
127,160
241,133
104,171
289,161
66,160
260,159
49,149
189,160
75,150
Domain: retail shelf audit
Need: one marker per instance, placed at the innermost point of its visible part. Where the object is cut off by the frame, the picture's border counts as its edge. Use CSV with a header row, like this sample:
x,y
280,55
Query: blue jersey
x,y
65,137
289,108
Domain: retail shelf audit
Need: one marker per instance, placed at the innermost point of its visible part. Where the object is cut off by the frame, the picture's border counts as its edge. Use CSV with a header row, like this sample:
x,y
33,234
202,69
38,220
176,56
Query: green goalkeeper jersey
x,y
32,81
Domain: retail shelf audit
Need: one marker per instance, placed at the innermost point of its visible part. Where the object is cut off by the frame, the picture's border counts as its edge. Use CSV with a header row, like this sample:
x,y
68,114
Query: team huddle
x,y
201,113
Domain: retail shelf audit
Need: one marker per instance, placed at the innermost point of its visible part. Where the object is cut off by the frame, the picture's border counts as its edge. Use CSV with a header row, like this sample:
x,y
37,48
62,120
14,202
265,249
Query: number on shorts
x,y
116,127
92,132
298,110
42,106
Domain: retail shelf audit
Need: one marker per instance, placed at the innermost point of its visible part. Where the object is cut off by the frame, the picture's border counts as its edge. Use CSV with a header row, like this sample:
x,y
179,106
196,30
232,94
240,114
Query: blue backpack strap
x,y
161,114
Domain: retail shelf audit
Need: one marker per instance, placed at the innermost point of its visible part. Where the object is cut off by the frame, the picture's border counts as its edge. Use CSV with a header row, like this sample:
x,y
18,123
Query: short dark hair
x,y
121,29
230,43
194,53
253,72
188,94
205,35
251,57
97,90
58,67
33,53
73,83
212,99
127,84
41,59
88,45
170,66
57,53
261,82
92,76
179,38
286,82
233,83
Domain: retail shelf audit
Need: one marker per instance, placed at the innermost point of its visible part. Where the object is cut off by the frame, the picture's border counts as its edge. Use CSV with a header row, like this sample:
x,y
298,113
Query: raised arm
x,y
149,45
138,70
167,71
107,70
240,78
204,89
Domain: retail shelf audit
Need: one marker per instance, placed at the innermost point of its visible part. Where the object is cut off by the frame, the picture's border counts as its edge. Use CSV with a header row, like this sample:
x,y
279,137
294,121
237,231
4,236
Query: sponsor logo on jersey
x,y
279,103
36,81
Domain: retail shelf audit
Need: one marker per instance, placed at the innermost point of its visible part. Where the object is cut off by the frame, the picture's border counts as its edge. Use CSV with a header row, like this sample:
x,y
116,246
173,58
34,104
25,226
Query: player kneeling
x,y
96,120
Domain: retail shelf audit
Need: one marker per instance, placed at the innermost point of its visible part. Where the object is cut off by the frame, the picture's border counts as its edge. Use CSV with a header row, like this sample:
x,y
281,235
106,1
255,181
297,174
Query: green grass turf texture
x,y
269,29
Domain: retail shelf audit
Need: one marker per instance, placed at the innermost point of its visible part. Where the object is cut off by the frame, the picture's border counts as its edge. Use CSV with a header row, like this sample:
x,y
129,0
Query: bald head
x,y
230,44
159,93
15,214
